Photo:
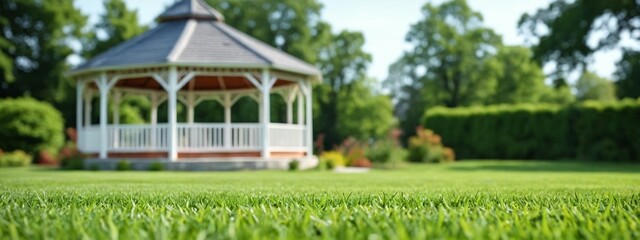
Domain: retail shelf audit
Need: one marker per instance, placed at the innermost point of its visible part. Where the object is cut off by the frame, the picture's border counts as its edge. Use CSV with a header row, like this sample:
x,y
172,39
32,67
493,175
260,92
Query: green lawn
x,y
477,200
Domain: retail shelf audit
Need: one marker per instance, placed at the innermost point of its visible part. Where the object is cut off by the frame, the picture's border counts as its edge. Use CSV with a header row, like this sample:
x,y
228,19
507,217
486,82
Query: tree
x,y
296,27
6,64
628,75
342,62
362,113
451,48
562,32
34,46
293,26
117,25
519,78
449,64
590,86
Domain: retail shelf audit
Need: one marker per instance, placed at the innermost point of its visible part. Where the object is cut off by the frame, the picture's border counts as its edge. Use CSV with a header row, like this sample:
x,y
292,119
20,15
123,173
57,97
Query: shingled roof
x,y
191,32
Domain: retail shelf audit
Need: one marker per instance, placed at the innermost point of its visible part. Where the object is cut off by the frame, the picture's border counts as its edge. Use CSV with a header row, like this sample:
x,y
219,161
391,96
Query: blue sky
x,y
385,24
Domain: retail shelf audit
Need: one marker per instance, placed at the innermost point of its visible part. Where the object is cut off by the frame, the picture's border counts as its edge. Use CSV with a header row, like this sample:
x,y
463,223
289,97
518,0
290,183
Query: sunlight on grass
x,y
467,199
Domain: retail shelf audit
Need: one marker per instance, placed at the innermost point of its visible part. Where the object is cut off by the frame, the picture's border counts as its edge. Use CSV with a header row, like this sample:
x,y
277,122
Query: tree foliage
x,y
290,25
628,75
29,125
117,24
563,33
362,113
451,48
35,42
35,37
519,78
456,61
593,87
296,27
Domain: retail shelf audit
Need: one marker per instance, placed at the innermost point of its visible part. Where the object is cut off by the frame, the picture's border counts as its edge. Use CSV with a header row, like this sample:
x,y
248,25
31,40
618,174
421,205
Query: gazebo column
x,y
291,96
227,103
117,97
300,100
79,95
87,108
172,91
104,85
306,88
265,109
191,105
154,118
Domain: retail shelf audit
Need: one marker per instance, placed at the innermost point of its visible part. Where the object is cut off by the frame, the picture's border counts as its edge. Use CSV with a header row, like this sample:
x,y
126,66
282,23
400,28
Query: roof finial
x,y
190,9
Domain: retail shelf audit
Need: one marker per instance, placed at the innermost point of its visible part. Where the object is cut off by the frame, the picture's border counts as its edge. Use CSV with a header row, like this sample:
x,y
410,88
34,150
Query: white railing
x,y
89,139
197,137
246,136
133,138
200,136
194,137
286,136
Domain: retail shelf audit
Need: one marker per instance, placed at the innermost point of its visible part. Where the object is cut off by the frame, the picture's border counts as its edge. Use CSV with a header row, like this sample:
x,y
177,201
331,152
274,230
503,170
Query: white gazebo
x,y
192,56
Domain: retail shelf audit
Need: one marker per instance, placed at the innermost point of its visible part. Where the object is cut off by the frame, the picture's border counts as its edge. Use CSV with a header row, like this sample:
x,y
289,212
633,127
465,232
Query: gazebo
x,y
192,56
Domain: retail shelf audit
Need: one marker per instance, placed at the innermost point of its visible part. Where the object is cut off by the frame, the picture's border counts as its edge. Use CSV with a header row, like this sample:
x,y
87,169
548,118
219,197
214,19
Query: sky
x,y
385,23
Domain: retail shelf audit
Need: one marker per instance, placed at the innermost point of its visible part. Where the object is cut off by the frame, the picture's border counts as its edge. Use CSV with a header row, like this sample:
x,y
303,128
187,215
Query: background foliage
x,y
588,131
29,125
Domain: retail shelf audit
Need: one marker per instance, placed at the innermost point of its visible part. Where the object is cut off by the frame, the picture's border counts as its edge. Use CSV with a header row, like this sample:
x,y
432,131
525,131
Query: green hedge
x,y
589,131
29,125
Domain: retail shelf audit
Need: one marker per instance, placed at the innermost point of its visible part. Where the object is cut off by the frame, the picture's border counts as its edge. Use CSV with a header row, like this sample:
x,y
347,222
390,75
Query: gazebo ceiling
x,y
190,33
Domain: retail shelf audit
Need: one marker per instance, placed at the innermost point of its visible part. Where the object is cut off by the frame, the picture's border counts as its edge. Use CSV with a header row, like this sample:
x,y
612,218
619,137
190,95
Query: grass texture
x,y
464,200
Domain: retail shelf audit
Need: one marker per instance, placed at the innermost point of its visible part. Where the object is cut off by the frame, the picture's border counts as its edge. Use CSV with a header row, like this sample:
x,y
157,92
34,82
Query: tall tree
x,y
449,61
628,75
519,78
363,113
563,32
34,45
451,48
117,24
296,27
6,63
590,86
342,61
293,26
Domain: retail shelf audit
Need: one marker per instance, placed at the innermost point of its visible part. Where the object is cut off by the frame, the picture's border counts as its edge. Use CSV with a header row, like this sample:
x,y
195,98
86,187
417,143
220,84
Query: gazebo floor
x,y
212,162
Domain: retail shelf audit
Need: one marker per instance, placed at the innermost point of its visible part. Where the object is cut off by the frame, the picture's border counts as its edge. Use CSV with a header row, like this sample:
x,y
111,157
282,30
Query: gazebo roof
x,y
192,33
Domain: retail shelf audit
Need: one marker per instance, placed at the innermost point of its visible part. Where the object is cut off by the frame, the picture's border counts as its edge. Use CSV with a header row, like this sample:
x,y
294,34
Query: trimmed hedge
x,y
29,125
588,131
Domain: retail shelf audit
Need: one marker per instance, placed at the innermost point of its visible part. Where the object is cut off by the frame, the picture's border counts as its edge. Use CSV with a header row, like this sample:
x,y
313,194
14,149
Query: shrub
x,y
294,165
362,162
352,150
94,167
589,131
386,153
156,166
45,157
334,159
31,125
72,163
426,147
323,164
123,165
16,158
